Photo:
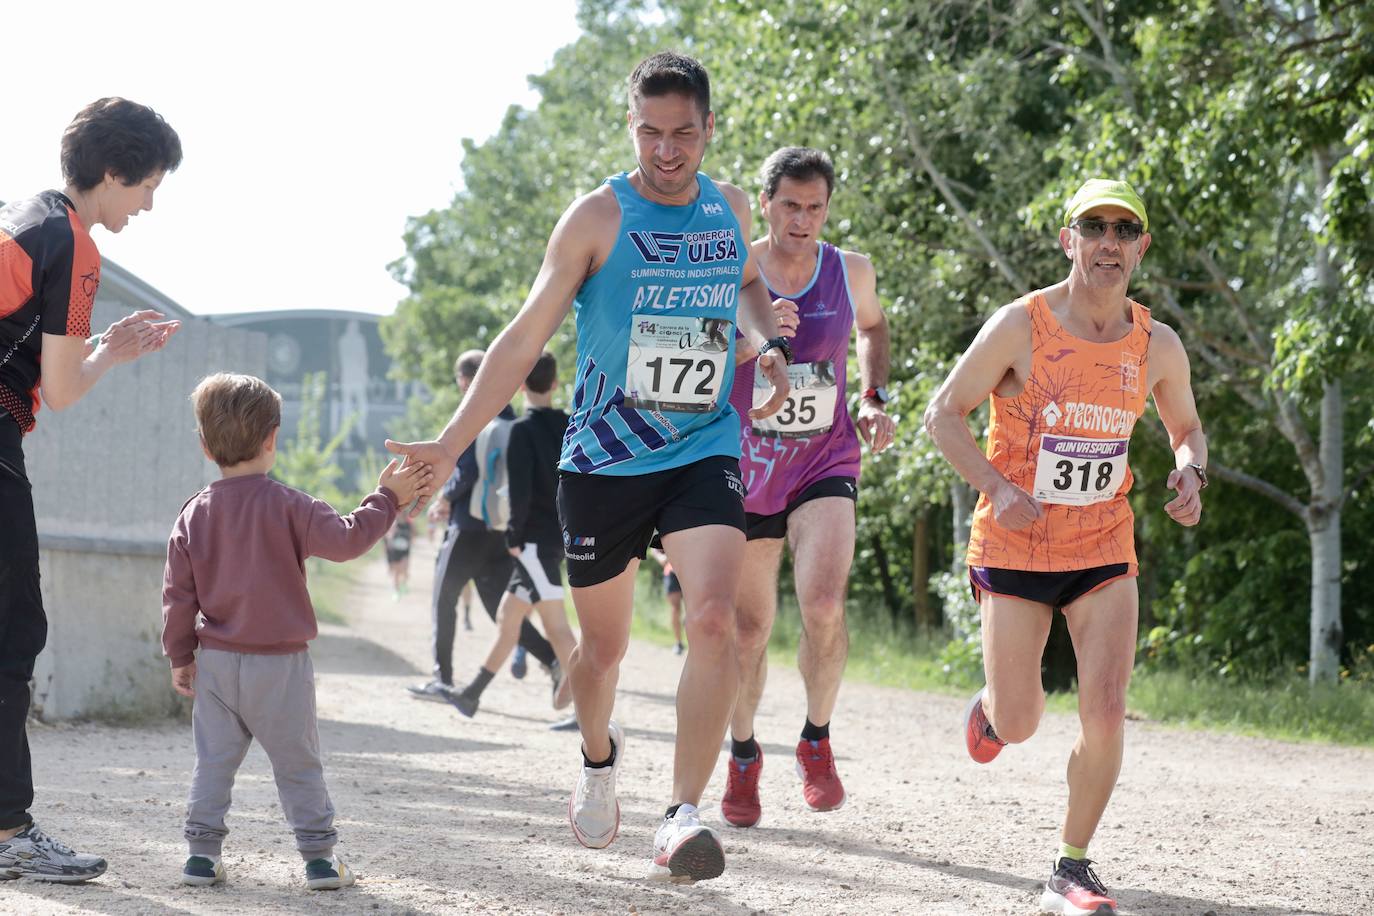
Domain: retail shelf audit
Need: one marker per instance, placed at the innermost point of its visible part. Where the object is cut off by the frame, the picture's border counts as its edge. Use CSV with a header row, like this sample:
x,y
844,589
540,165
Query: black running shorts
x,y
538,573
763,527
1057,589
609,520
671,586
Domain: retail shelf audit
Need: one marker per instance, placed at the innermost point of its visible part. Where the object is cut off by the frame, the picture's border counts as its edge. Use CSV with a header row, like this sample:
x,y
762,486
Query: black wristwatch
x,y
780,344
1201,474
878,394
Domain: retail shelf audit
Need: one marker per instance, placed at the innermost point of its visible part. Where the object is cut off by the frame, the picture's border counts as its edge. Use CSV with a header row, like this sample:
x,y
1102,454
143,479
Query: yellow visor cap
x,y
1103,192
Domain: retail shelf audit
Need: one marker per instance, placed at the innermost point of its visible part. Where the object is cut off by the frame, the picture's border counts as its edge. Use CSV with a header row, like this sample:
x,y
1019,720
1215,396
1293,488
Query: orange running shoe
x,y
820,783
740,806
982,742
1074,890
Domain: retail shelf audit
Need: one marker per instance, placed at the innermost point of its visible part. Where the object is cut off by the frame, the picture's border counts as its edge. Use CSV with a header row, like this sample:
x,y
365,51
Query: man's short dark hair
x,y
467,363
800,163
114,135
543,375
668,73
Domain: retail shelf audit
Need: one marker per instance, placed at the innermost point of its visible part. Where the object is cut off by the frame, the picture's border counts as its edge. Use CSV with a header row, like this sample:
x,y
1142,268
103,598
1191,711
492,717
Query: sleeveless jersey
x,y
656,339
812,436
49,274
1064,440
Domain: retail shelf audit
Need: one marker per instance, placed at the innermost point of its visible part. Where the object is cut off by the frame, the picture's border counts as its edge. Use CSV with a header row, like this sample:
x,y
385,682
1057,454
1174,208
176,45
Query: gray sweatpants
x,y
240,697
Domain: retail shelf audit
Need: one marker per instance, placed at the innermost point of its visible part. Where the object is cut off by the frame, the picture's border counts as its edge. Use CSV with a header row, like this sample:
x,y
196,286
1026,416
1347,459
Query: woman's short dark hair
x,y
667,73
114,135
800,163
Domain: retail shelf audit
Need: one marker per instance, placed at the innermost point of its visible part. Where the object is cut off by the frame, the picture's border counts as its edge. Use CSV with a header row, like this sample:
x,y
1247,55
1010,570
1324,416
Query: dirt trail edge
x,y
441,814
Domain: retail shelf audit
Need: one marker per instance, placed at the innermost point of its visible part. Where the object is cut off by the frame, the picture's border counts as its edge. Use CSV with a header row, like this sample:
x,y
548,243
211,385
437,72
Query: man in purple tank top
x,y
801,469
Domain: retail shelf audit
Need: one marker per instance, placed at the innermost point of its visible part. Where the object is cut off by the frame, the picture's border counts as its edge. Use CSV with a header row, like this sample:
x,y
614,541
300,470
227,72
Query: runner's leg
x,y
509,615
821,536
1014,634
452,573
603,613
555,619
1103,625
675,615
756,605
492,582
708,560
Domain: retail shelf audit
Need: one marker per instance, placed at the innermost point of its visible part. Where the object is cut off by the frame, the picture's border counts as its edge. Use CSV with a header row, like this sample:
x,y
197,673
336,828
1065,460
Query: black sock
x,y
747,749
479,683
814,732
592,765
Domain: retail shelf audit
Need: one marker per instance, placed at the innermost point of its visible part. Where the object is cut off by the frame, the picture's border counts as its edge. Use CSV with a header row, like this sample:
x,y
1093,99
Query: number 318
x,y
1066,468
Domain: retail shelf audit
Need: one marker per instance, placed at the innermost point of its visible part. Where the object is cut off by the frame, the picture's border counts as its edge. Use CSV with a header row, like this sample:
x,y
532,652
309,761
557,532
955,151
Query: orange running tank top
x,y
1064,440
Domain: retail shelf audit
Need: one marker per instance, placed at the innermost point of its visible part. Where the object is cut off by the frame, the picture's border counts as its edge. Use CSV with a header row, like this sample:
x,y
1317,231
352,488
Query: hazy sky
x,y
311,130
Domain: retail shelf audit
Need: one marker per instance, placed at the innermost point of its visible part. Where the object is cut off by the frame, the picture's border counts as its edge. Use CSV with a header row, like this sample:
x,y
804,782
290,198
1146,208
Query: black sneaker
x,y
465,702
518,664
36,856
328,874
200,871
1075,890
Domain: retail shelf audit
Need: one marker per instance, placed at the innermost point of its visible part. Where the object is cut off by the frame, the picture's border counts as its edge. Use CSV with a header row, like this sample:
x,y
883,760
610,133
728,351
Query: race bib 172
x,y
676,363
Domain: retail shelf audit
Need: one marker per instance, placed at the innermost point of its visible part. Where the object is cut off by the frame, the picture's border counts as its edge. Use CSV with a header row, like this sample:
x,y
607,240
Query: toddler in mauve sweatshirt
x,y
237,617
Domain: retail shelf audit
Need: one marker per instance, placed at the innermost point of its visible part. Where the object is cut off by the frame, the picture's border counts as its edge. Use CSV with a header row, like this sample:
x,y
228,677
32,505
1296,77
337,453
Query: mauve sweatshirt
x,y
237,556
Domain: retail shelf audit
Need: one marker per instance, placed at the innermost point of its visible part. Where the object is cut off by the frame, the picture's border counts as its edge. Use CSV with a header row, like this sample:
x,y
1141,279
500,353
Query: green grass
x,y
1286,709
880,653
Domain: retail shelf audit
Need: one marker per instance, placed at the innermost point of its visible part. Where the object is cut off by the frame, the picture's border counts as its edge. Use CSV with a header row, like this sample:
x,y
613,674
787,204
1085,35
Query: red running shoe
x,y
740,807
982,742
820,783
1074,890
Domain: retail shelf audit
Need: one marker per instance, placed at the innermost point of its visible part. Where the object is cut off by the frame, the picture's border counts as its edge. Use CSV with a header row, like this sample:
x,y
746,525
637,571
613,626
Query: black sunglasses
x,y
1126,230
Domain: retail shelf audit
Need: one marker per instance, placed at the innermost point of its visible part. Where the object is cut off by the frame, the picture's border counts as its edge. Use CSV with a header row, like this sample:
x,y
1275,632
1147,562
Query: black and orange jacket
x,y
49,273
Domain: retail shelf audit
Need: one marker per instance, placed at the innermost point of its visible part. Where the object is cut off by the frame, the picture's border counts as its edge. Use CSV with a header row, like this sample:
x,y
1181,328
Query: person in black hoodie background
x,y
472,552
534,535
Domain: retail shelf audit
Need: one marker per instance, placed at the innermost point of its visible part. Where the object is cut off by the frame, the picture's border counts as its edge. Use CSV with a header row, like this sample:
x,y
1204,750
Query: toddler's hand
x,y
184,680
408,482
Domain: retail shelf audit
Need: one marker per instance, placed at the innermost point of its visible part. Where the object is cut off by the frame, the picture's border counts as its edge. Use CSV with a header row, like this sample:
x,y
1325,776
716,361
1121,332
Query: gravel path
x,y
440,814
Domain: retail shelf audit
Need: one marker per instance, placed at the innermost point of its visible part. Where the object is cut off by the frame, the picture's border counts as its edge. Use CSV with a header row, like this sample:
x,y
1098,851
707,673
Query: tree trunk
x,y
885,575
1324,530
1324,513
920,571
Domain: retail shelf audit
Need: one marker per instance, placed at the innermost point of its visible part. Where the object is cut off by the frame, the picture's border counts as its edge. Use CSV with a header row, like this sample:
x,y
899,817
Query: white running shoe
x,y
593,809
685,849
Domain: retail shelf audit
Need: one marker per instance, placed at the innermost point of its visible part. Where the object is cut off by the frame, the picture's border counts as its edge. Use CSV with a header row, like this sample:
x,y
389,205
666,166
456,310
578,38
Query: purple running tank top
x,y
812,437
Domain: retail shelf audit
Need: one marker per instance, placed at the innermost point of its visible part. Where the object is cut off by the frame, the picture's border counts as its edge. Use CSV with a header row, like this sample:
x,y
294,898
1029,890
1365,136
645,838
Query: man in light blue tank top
x,y
656,266
801,469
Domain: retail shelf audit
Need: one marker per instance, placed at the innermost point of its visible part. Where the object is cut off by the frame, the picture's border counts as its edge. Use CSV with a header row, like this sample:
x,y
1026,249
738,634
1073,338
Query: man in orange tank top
x,y
1068,370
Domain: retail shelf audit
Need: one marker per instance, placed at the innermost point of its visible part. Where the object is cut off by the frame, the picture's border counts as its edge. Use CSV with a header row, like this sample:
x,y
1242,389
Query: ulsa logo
x,y
1052,415
712,209
657,247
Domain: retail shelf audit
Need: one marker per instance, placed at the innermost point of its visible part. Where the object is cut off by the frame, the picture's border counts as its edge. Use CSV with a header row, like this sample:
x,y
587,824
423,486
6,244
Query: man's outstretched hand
x,y
431,453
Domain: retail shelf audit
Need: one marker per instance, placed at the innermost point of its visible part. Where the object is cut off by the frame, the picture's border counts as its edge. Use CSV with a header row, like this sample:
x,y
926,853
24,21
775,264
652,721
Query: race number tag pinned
x,y
810,407
1079,472
676,363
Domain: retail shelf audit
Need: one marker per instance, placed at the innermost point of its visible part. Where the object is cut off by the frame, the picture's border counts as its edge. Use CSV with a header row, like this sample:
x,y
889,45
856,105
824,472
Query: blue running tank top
x,y
656,339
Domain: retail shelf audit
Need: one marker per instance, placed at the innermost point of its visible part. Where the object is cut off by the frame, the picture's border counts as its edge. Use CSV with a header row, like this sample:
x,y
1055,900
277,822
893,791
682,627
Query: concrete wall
x,y
109,476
